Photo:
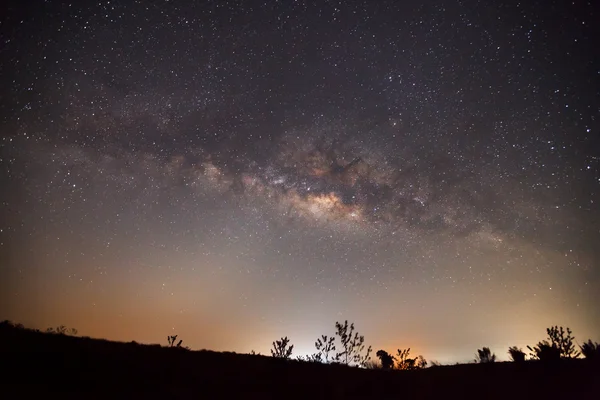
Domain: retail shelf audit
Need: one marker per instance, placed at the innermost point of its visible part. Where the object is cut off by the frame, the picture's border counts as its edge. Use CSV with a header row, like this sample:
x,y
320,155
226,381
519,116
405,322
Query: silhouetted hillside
x,y
50,365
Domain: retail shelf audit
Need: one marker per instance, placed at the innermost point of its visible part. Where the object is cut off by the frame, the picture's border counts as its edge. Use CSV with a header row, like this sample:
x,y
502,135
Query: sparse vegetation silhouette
x,y
325,346
9,324
560,345
62,330
591,350
485,356
544,351
516,354
403,361
563,340
208,374
172,340
352,345
282,348
386,359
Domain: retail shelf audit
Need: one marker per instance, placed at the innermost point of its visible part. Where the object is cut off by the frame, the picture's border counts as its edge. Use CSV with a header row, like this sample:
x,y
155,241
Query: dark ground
x,y
42,365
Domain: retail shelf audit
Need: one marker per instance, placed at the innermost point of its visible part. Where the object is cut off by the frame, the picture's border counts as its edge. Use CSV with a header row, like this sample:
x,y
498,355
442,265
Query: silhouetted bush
x,y
173,339
314,358
386,359
560,345
324,345
7,324
563,340
516,354
282,348
352,345
545,351
591,350
485,356
403,361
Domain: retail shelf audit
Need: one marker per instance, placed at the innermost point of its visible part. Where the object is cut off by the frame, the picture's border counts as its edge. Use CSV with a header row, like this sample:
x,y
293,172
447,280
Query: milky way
x,y
238,171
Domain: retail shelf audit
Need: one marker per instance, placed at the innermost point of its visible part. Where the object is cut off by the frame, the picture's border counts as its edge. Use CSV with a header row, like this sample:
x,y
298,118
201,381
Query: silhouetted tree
x,y
485,356
516,354
404,362
563,340
421,362
387,360
591,350
435,363
282,348
545,351
325,345
353,345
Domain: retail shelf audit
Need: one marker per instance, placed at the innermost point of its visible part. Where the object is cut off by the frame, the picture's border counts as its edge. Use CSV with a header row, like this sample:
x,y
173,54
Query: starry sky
x,y
238,171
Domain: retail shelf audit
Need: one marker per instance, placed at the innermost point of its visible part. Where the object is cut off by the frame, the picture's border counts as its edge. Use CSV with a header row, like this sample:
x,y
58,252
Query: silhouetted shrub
x,y
6,324
386,359
314,358
516,354
591,350
352,344
172,339
404,362
544,351
173,342
560,345
324,345
563,340
485,356
282,349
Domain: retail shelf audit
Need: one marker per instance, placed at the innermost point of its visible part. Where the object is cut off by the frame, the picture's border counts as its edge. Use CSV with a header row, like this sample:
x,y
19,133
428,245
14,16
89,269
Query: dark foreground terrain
x,y
42,365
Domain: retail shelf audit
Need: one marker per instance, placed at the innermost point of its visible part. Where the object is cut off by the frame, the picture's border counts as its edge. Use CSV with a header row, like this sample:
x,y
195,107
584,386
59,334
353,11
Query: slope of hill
x,y
52,365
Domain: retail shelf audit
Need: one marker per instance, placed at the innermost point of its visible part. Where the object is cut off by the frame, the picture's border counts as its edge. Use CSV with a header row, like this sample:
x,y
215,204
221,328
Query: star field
x,y
238,171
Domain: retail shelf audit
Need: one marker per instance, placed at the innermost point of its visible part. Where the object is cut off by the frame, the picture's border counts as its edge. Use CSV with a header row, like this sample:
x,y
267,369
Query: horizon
x,y
236,173
303,349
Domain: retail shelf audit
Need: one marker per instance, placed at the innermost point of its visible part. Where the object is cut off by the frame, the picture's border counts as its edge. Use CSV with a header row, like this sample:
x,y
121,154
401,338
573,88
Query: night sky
x,y
238,171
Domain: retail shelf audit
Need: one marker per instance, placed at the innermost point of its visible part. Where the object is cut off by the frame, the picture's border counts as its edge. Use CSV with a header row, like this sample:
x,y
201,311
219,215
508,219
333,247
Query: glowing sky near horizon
x,y
238,171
